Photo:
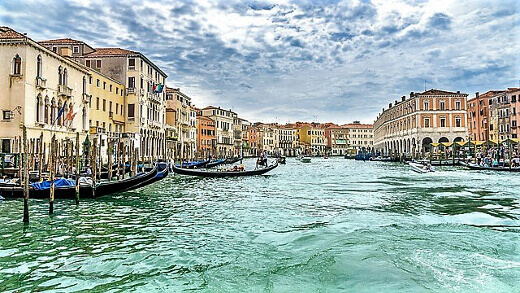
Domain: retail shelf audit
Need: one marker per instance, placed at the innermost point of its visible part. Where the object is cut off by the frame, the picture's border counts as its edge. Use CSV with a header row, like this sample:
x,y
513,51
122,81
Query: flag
x,y
69,115
60,113
158,88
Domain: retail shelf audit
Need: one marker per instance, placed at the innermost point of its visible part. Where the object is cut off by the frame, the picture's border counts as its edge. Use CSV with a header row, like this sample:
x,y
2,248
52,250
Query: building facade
x,y
360,137
36,85
411,125
337,138
182,116
206,137
478,115
514,98
225,143
145,106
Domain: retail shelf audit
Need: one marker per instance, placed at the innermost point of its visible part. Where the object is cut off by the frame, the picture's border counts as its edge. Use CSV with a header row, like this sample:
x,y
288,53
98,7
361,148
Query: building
x,y
337,138
182,116
514,98
267,138
499,118
411,125
225,144
36,84
312,138
360,137
107,102
289,142
478,115
145,106
206,136
238,128
251,142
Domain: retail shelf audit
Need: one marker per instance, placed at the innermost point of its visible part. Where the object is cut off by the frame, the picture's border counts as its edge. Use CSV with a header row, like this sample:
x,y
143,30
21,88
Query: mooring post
x,y
77,168
110,146
94,165
52,167
25,178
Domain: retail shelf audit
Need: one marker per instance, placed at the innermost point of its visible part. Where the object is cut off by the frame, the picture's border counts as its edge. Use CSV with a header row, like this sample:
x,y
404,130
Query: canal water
x,y
328,226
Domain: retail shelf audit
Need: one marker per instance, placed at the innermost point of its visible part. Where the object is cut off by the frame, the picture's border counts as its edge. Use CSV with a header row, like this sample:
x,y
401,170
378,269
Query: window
x,y
458,121
38,114
117,90
426,122
98,63
513,99
39,66
426,105
46,111
457,105
87,63
75,49
110,88
97,103
6,114
104,85
17,65
131,64
131,110
110,107
60,75
443,121
121,109
97,82
131,82
442,106
55,49
104,105
117,107
491,127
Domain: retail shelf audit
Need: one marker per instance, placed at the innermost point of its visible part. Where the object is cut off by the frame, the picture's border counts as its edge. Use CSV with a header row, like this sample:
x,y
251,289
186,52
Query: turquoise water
x,y
329,226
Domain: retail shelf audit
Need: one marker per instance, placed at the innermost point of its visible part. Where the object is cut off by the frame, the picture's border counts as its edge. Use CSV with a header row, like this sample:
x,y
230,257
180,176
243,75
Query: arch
x,y
443,139
426,143
458,139
60,75
65,77
17,65
39,66
46,110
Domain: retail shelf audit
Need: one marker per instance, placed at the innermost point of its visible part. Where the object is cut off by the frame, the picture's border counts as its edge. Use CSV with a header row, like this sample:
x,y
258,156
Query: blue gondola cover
x,y
57,183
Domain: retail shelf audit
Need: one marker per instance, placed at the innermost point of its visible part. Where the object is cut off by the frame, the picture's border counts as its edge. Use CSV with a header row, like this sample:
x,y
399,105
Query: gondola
x,y
8,190
193,165
419,168
162,172
232,160
210,173
215,163
478,167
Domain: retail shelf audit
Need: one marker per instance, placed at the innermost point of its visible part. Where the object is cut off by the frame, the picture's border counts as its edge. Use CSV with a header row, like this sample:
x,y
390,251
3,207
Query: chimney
x,y
476,95
411,94
395,102
403,98
390,105
458,92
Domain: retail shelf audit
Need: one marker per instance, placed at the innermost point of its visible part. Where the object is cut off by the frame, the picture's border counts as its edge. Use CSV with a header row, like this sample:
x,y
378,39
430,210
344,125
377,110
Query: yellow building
x,y
107,104
312,138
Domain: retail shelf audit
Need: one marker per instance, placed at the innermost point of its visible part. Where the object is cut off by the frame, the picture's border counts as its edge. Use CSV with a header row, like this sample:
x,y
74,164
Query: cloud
x,y
297,60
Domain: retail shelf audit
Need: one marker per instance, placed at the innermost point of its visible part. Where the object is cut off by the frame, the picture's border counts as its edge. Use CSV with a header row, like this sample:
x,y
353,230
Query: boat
x,y
66,189
420,168
232,160
162,172
215,163
282,160
195,164
223,173
473,166
305,159
381,159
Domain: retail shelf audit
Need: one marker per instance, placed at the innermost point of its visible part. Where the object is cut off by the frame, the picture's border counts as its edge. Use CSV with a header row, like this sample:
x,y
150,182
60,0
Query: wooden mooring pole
x,y
52,169
77,168
25,178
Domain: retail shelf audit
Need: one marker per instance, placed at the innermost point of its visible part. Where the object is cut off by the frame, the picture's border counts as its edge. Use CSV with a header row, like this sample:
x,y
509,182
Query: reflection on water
x,y
332,225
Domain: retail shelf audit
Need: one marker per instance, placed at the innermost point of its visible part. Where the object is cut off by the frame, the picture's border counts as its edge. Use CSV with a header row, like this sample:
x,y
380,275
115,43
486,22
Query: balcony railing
x,y
64,90
130,91
41,82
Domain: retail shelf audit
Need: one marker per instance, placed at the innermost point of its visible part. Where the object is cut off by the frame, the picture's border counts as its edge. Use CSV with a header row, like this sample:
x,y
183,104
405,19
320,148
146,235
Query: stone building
x,y
206,135
478,115
337,137
145,105
182,116
499,116
360,137
36,84
224,119
411,125
514,98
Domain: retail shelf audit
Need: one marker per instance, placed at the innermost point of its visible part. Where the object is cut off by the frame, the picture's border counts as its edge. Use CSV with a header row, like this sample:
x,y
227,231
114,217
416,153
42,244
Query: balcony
x,y
130,91
64,91
41,83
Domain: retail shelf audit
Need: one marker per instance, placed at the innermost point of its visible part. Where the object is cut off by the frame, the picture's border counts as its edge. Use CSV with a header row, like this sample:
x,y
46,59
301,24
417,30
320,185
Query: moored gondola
x,y
215,163
162,172
193,165
225,173
484,168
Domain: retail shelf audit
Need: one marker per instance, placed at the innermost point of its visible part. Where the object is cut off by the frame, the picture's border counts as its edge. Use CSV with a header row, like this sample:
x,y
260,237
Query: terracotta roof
x,y
61,41
111,52
9,33
357,125
437,92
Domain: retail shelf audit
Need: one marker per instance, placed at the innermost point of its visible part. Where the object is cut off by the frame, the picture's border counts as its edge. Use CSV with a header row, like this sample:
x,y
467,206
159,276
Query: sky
x,y
288,61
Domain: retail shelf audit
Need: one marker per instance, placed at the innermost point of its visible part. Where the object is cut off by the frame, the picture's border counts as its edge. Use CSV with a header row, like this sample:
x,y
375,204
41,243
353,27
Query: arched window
x,y
39,66
46,111
38,114
53,110
60,75
17,65
65,78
